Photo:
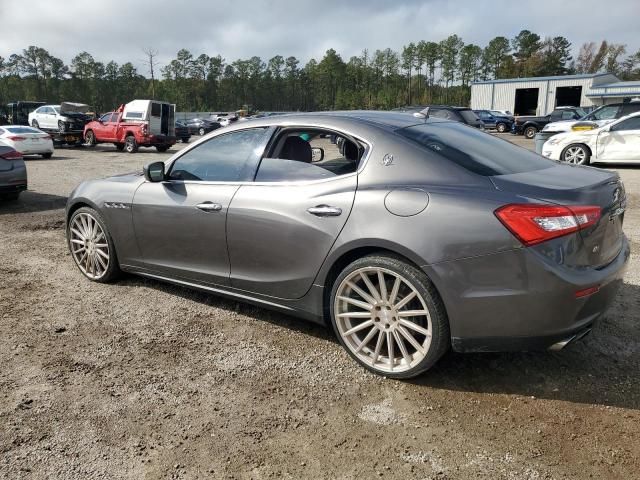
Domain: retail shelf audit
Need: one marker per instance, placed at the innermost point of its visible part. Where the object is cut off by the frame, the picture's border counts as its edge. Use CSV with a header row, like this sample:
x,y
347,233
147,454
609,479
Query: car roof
x,y
385,119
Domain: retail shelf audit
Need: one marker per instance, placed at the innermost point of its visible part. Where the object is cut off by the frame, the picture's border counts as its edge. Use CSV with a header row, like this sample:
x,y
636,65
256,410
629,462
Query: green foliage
x,y
421,72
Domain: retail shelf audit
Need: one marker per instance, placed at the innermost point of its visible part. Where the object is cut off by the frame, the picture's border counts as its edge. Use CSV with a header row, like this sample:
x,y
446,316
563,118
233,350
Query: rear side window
x,y
474,150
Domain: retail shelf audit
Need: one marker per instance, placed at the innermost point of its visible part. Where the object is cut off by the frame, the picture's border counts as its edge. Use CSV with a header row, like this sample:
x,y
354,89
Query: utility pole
x,y
150,62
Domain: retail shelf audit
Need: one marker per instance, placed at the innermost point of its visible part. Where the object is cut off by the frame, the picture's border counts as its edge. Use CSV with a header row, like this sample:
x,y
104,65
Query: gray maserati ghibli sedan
x,y
407,235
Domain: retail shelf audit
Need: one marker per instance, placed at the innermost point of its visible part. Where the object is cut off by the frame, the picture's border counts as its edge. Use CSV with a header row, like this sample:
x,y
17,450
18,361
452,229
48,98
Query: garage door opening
x,y
526,101
568,96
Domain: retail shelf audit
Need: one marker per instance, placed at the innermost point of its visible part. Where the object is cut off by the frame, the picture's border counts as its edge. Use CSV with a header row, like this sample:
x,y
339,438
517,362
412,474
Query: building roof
x,y
543,79
631,83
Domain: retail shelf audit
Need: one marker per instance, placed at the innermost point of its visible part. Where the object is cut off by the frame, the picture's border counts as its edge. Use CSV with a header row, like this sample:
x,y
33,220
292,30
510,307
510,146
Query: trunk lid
x,y
576,185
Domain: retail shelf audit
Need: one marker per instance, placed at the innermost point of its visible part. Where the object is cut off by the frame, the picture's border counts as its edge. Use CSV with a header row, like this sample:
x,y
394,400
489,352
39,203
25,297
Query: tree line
x,y
421,72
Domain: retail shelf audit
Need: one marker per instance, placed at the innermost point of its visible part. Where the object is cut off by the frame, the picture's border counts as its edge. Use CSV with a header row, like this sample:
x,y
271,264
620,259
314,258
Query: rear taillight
x,y
11,155
16,138
533,223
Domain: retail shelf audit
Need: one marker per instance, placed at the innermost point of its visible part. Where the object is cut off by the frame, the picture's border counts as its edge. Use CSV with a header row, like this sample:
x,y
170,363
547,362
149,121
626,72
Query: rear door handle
x,y
325,211
209,207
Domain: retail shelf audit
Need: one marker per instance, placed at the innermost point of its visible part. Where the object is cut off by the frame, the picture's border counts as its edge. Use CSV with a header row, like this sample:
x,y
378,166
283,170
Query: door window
x,y
226,158
105,118
302,154
632,123
568,115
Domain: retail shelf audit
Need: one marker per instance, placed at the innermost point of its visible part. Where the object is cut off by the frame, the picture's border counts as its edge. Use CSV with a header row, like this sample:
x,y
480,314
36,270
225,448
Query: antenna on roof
x,y
422,114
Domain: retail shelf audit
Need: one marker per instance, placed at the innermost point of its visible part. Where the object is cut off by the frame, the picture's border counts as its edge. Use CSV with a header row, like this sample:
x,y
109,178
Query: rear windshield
x,y
469,116
21,130
478,152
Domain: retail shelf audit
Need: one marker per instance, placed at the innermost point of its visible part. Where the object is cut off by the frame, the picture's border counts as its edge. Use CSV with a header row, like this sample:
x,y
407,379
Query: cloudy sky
x,y
120,29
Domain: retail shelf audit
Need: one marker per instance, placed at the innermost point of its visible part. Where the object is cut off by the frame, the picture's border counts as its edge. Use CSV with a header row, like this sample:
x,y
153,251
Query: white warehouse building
x,y
540,95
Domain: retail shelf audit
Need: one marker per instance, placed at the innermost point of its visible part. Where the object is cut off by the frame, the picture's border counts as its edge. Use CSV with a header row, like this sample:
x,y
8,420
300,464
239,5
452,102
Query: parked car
x,y
458,114
182,131
17,113
201,126
27,140
139,123
13,173
597,118
67,116
501,123
415,236
529,126
616,142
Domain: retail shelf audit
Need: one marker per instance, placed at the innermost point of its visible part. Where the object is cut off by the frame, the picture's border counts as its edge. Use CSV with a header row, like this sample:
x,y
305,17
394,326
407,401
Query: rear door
x,y
281,228
621,142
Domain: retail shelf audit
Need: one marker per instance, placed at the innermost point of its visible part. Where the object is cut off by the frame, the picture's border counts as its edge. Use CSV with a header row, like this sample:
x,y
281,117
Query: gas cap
x,y
406,202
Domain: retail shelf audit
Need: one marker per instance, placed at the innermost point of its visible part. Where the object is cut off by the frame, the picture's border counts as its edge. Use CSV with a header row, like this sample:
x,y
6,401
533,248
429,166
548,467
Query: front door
x,y
621,142
180,224
281,228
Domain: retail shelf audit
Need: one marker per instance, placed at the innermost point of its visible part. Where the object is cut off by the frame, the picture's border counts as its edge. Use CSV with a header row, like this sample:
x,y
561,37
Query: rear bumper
x,y
518,300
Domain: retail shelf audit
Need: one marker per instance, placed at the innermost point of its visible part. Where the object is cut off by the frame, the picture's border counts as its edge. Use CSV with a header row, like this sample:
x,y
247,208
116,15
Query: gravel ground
x,y
145,380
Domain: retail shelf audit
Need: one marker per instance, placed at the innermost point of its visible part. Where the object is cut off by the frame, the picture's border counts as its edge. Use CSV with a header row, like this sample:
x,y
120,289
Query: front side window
x,y
226,158
55,110
632,123
567,116
304,154
105,117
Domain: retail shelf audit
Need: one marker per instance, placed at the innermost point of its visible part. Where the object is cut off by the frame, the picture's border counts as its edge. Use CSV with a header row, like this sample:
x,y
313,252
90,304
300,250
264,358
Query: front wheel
x,y
130,144
91,246
62,127
501,127
90,138
201,131
389,316
35,124
576,153
530,132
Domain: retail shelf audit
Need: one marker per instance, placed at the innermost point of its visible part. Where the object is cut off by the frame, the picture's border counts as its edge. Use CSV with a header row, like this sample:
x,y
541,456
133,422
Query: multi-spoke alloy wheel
x,y
384,319
90,246
576,154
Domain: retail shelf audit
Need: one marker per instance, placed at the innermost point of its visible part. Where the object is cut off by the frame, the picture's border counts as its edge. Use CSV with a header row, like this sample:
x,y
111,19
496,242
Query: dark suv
x,y
458,114
501,123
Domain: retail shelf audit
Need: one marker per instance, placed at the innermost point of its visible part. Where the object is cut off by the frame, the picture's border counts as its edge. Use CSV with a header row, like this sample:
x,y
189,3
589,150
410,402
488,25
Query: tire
x,y
47,155
185,140
162,148
501,127
130,144
119,146
90,138
10,197
61,126
201,131
89,261
576,153
530,132
35,124
430,331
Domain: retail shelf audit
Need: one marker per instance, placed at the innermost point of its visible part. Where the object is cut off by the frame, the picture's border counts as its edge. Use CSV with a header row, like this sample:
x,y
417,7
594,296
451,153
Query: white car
x,y
600,116
65,117
27,140
617,142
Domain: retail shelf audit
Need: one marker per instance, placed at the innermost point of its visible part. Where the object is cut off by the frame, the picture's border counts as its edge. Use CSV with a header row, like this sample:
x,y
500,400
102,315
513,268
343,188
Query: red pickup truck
x,y
139,123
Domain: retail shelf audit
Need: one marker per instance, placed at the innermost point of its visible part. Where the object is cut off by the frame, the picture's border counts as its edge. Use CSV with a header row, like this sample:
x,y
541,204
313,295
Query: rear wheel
x,y
47,155
577,154
530,132
90,138
35,124
201,131
62,126
91,246
389,316
130,144
501,127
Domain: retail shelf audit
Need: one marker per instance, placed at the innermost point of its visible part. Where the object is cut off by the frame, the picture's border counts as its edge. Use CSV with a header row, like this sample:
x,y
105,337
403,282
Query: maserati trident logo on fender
x,y
387,160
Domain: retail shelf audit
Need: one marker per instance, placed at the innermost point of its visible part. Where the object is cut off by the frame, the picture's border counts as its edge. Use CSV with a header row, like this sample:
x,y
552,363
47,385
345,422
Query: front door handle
x,y
325,211
209,207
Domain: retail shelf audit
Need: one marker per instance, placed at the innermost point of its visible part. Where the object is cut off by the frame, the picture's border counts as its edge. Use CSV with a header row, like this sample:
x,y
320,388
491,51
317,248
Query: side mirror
x,y
317,154
154,172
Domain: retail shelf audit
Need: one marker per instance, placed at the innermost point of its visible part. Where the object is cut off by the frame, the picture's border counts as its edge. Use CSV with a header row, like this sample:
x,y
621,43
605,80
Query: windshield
x,y
581,113
478,152
469,116
606,112
56,109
